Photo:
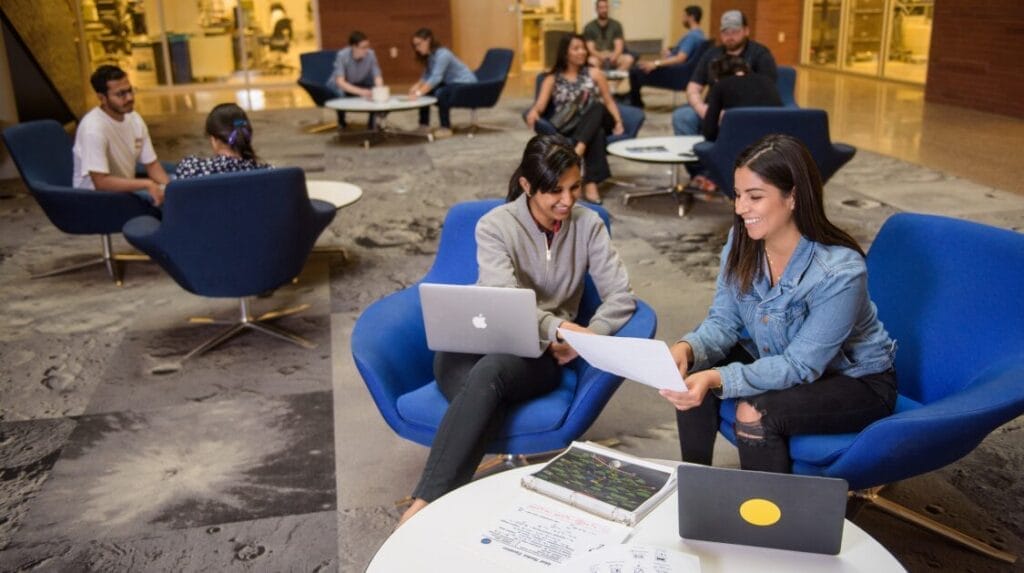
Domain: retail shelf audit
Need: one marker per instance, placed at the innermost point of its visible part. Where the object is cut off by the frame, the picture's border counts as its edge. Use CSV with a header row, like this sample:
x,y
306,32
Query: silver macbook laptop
x,y
481,320
781,511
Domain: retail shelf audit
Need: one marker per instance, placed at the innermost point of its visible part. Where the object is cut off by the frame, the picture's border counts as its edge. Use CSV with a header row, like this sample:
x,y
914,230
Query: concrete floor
x,y
112,463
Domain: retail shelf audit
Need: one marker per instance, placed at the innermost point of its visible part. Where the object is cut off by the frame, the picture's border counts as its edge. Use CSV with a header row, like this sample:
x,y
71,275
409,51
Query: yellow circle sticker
x,y
761,512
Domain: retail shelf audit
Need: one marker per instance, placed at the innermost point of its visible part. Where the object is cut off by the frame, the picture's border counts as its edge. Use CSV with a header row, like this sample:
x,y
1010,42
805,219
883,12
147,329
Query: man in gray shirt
x,y
606,41
355,71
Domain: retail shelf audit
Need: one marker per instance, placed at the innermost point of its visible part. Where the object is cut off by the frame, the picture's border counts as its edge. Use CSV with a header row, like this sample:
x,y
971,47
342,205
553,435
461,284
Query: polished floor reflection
x,y
887,117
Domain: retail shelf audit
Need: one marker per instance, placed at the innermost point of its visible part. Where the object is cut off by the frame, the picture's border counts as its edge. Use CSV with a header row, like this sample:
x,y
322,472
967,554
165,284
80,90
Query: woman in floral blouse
x,y
231,139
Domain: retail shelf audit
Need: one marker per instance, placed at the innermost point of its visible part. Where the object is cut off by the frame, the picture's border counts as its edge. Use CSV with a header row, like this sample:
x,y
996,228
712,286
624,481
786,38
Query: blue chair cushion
x,y
426,406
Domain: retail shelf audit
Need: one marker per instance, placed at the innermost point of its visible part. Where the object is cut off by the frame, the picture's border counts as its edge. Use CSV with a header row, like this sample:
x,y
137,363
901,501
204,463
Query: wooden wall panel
x,y
972,61
767,19
389,24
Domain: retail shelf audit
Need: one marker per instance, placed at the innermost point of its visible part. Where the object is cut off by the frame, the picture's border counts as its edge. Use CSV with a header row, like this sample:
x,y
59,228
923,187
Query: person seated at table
x,y
792,333
573,84
356,72
735,86
676,55
441,68
231,139
606,41
541,240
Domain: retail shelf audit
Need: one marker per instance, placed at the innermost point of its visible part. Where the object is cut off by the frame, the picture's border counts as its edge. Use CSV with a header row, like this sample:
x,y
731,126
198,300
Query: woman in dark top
x,y
231,139
737,86
570,77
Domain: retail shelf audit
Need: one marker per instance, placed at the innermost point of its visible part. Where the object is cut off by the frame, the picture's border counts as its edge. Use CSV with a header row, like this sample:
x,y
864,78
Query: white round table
x,y
381,127
337,193
671,150
439,538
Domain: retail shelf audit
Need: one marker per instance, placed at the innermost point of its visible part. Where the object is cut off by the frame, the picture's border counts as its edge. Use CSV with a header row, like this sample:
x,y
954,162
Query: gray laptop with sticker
x,y
781,511
481,320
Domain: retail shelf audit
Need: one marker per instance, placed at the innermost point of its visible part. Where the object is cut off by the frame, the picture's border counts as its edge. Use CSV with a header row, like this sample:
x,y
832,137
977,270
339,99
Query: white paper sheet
x,y
545,534
640,359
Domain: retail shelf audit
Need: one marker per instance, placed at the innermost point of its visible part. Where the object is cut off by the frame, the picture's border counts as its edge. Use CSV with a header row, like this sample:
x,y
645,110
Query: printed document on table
x,y
633,558
544,534
641,359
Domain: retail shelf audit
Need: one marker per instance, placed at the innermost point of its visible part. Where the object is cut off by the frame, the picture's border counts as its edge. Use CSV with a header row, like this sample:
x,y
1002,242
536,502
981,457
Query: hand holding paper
x,y
643,360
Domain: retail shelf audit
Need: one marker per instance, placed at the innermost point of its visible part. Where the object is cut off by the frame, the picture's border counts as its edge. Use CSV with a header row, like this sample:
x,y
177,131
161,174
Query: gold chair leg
x,y
872,499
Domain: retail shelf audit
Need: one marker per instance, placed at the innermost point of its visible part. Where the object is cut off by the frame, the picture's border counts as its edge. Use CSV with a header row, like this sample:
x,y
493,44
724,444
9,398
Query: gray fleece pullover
x,y
512,251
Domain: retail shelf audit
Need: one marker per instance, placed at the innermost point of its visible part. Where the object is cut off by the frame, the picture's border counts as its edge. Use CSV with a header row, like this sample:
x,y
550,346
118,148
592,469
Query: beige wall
x,y
8,113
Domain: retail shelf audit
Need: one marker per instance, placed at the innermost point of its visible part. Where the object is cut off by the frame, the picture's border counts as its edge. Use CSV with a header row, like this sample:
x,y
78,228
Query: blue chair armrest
x,y
399,362
317,91
479,94
87,211
920,439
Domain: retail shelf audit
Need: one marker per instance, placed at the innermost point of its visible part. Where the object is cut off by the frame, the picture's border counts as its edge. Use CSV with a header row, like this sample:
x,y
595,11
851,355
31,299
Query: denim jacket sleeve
x,y
831,310
437,65
720,331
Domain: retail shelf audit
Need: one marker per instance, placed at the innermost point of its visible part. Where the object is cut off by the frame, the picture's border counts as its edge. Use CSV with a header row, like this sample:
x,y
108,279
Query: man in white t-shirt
x,y
111,138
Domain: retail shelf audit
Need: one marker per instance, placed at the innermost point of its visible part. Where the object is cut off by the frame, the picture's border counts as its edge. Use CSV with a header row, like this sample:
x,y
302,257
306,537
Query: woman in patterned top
x,y
571,76
231,138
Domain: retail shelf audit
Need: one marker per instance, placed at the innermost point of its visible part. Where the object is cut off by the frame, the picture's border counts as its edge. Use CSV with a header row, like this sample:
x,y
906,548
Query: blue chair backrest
x,y
42,152
251,230
947,291
317,67
496,65
786,84
743,126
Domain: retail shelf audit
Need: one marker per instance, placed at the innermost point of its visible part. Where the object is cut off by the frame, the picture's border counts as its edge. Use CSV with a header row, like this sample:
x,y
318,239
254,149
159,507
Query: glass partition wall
x,y
165,43
882,38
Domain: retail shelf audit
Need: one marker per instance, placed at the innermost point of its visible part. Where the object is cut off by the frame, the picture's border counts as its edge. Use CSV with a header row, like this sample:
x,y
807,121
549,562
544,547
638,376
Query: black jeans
x,y
591,130
444,107
479,390
833,404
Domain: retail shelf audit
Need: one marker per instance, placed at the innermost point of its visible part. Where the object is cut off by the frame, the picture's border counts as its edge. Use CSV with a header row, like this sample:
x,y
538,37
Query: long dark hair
x,y
229,124
428,35
783,162
562,60
545,159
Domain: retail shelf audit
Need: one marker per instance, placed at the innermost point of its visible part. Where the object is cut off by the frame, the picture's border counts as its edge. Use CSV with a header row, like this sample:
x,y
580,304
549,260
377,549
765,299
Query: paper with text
x,y
545,534
640,359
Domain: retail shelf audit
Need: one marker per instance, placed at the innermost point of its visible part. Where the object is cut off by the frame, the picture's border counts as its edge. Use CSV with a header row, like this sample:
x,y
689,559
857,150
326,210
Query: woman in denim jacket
x,y
792,333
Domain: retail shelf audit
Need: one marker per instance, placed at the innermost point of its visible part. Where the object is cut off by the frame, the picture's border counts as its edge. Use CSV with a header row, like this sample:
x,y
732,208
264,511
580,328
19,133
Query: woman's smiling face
x,y
765,211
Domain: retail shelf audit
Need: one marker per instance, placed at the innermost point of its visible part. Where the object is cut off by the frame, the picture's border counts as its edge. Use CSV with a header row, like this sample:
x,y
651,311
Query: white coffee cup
x,y
381,94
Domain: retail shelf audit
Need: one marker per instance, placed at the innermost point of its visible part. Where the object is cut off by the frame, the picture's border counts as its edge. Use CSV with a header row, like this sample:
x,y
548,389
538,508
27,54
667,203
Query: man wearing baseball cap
x,y
735,37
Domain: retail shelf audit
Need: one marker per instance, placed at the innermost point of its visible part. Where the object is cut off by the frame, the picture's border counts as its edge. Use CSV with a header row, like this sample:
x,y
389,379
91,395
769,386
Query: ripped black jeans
x,y
833,404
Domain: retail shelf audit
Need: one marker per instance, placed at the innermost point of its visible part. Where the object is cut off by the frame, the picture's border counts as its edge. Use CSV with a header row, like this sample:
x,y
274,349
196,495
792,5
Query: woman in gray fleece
x,y
541,240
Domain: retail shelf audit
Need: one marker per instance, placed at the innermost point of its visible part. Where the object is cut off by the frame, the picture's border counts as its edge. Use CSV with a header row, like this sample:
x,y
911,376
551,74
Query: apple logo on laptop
x,y
479,321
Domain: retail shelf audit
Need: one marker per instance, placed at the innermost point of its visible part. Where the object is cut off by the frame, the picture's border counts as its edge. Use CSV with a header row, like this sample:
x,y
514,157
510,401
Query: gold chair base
x,y
871,498
249,322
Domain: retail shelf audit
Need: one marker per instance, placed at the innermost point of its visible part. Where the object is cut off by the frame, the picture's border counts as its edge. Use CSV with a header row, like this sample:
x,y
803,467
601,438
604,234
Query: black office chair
x,y
278,43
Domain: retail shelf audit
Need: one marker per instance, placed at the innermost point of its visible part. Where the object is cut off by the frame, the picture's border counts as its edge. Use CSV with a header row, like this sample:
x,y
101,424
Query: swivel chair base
x,y
684,195
108,258
248,321
475,126
870,498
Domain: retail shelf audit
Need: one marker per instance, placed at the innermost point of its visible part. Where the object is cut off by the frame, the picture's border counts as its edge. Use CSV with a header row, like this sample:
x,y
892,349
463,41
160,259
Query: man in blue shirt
x,y
356,71
677,55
